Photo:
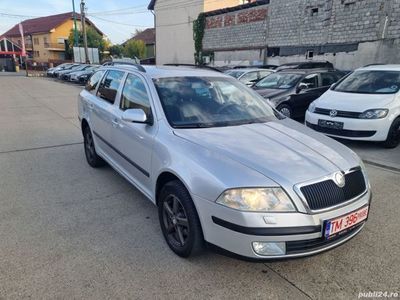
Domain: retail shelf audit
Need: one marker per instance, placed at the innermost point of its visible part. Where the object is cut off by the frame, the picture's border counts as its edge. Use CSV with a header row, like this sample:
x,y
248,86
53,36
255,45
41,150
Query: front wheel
x,y
179,221
393,139
285,110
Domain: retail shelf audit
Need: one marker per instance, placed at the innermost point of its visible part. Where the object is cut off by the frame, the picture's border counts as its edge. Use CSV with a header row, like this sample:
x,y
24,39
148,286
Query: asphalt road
x,y
69,231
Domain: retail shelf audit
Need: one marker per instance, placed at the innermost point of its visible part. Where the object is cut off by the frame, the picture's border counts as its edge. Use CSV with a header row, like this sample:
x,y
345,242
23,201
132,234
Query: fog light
x,y
268,248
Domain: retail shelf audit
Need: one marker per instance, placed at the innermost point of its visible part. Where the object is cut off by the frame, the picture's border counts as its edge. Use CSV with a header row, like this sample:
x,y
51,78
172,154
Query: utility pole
x,y
76,38
84,31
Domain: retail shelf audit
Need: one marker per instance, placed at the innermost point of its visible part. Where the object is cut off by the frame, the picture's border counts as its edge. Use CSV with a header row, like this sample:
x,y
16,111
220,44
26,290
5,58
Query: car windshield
x,y
370,82
279,81
194,102
234,73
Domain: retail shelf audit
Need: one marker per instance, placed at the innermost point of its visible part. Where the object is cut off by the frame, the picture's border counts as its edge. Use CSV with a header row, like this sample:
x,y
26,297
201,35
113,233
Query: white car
x,y
363,106
249,76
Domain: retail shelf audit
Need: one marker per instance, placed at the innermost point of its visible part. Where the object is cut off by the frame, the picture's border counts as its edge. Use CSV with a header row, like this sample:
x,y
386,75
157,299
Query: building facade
x,y
174,27
45,37
348,33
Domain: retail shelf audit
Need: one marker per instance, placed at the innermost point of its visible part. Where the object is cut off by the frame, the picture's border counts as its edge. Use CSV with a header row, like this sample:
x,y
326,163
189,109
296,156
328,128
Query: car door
x,y
135,140
308,89
101,120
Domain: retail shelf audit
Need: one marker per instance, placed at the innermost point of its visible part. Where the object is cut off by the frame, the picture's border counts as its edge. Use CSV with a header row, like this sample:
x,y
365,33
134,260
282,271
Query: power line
x,y
120,23
17,16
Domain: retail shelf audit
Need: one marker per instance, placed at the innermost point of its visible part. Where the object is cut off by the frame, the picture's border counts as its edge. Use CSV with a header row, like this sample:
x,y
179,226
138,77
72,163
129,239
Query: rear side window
x,y
134,95
93,81
109,85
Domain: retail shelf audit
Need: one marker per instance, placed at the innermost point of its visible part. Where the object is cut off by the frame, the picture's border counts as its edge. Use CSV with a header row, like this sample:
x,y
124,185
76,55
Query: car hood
x,y
283,150
352,101
272,93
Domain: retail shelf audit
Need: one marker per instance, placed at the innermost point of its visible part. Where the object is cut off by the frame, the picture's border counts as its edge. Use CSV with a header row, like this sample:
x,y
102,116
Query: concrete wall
x,y
349,33
174,27
245,28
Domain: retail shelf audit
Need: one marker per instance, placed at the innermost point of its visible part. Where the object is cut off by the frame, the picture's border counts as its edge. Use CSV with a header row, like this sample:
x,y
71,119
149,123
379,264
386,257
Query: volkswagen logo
x,y
333,113
340,179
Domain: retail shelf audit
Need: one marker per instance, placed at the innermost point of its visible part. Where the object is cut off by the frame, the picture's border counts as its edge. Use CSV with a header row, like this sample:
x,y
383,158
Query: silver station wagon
x,y
221,165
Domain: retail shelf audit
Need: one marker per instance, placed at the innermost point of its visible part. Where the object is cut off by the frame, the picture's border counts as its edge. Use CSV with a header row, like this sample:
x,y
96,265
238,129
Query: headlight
x,y
311,108
257,199
374,114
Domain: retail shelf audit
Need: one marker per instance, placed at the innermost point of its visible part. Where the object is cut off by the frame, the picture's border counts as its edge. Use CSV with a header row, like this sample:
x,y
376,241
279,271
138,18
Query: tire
x,y
393,138
179,220
285,110
92,158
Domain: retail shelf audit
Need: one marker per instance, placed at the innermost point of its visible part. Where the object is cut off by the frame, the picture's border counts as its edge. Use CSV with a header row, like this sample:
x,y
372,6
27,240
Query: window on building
x,y
36,41
109,85
134,95
36,54
314,11
310,54
60,40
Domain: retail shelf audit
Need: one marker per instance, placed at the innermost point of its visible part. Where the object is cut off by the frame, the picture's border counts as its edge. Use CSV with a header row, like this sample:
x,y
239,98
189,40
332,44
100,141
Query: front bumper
x,y
302,233
353,129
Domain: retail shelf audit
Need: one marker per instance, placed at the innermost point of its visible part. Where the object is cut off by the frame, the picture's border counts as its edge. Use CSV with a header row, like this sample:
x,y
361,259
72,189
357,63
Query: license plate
x,y
346,222
330,124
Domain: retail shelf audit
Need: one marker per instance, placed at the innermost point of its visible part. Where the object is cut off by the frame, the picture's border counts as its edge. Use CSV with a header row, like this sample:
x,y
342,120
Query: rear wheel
x,y
92,158
393,139
285,110
179,221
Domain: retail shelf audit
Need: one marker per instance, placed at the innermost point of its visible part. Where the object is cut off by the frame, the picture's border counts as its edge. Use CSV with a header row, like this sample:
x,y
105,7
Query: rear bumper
x,y
302,234
353,129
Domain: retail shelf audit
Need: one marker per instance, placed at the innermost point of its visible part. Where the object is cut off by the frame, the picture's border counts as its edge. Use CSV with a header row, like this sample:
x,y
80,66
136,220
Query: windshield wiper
x,y
194,125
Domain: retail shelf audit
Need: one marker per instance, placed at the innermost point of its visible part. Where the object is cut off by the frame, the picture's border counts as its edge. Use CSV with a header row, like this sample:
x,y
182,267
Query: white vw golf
x,y
363,106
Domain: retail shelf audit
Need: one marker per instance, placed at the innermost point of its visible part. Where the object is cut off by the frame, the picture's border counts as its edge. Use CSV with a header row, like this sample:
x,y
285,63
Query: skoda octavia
x,y
220,164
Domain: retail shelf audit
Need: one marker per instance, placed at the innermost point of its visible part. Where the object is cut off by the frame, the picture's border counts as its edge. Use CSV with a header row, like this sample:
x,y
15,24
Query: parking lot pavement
x,y
70,231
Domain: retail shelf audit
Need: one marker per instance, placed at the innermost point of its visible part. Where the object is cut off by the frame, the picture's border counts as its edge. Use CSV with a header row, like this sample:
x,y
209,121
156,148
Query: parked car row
x,y
72,72
362,105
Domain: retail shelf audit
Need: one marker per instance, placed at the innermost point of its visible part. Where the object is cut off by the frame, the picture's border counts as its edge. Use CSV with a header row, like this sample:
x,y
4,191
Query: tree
x,y
116,50
135,48
94,39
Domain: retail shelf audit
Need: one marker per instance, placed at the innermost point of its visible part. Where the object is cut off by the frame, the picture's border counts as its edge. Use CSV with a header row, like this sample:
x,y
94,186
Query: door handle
x,y
90,106
115,123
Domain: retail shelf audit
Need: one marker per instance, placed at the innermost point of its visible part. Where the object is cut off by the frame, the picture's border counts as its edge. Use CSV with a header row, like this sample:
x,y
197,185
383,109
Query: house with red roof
x,y
45,37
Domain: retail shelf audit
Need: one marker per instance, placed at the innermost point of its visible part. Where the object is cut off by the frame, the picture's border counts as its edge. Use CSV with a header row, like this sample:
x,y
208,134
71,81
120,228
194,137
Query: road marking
x,y
386,167
39,148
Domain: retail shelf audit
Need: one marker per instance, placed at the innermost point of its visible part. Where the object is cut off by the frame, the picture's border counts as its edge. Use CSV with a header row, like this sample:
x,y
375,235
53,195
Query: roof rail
x,y
194,66
116,63
376,64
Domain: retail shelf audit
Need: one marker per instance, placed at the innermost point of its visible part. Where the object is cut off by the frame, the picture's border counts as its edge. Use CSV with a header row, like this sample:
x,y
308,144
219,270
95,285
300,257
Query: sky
x,y
118,19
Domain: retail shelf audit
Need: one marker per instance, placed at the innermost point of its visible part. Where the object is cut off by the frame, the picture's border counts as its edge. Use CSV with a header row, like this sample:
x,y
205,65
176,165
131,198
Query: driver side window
x,y
134,95
311,81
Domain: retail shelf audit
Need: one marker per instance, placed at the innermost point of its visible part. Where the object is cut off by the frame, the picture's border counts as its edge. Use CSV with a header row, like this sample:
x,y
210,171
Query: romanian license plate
x,y
344,223
330,124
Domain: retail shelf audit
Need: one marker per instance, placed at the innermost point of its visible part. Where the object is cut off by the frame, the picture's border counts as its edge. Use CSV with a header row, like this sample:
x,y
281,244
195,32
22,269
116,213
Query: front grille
x,y
295,247
342,132
340,113
326,193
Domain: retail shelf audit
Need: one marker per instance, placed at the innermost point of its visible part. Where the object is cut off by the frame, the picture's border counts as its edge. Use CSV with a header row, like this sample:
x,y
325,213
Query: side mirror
x,y
333,85
302,86
136,115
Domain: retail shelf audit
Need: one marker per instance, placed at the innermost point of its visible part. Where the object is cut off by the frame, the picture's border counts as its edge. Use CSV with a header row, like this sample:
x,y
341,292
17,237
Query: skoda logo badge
x,y
339,179
333,113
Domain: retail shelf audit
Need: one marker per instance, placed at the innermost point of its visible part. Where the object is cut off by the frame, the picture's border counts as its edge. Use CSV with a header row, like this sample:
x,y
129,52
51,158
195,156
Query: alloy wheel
x,y
175,221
